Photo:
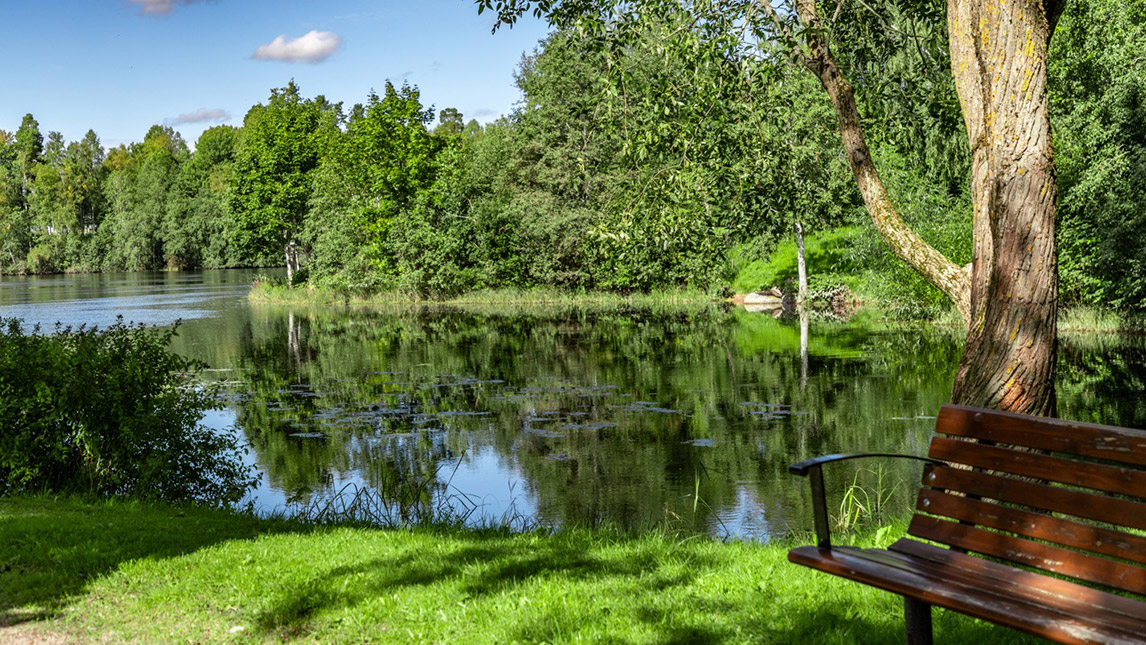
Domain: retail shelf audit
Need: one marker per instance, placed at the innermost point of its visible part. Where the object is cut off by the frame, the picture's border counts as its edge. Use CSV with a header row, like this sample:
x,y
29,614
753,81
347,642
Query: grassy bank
x,y
1074,320
115,571
269,292
1095,320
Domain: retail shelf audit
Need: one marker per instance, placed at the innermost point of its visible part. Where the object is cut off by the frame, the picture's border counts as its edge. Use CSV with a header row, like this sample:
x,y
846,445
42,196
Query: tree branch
x,y
954,281
781,27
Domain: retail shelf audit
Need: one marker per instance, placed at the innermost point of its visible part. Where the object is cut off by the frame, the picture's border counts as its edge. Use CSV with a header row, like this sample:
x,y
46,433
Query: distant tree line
x,y
667,158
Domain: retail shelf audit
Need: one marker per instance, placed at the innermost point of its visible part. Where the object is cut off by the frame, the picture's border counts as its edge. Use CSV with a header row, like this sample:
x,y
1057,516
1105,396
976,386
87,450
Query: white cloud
x,y
314,47
159,7
202,115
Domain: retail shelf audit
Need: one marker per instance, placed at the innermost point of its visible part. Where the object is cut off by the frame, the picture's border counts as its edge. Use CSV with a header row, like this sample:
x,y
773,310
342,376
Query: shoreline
x,y
1084,320
273,294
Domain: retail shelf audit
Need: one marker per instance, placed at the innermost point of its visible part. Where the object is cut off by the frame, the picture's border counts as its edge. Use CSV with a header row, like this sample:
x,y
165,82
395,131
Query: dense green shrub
x,y
110,412
827,253
1097,83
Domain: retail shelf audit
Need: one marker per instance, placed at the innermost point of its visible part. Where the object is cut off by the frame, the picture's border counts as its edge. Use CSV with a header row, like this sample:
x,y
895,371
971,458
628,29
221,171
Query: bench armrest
x,y
813,470
802,468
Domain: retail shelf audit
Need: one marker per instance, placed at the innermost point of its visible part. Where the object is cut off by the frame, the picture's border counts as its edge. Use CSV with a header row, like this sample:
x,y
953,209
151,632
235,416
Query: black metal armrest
x,y
813,470
802,468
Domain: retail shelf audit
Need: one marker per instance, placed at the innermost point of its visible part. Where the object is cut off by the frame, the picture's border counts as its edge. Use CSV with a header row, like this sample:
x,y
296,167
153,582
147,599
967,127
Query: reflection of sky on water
x,y
746,518
518,419
497,490
150,298
266,497
581,420
479,484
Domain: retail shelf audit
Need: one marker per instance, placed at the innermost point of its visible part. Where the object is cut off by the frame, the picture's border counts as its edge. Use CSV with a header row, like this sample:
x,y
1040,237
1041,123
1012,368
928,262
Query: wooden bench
x,y
1060,504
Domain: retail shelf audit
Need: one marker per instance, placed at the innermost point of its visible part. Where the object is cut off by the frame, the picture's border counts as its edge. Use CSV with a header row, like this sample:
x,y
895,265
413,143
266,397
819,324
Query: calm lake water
x,y
679,418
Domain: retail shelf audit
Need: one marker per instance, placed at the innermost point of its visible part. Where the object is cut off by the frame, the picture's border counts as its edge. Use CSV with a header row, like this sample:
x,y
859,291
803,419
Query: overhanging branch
x,y
954,281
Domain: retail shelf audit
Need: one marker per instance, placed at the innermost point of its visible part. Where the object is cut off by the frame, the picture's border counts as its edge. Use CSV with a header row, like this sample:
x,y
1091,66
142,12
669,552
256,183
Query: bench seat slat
x,y
1057,499
1006,579
1108,479
1061,531
1065,619
1114,574
1032,524
1123,445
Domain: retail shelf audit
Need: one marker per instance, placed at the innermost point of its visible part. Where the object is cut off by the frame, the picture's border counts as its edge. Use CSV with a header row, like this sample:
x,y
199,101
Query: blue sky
x,y
121,66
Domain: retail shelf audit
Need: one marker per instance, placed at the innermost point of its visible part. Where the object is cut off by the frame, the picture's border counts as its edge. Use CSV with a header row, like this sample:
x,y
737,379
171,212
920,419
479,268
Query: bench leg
x,y
917,619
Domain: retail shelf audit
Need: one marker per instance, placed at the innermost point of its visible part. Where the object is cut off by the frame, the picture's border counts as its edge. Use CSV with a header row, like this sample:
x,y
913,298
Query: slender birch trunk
x,y
801,267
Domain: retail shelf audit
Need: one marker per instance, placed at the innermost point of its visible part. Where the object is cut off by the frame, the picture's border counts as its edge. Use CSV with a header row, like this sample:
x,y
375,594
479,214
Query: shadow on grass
x,y
52,551
663,604
473,566
52,548
842,621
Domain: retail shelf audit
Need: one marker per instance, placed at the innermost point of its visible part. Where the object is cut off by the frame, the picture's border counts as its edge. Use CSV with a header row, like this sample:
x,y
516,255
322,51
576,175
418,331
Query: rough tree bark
x,y
1009,294
999,59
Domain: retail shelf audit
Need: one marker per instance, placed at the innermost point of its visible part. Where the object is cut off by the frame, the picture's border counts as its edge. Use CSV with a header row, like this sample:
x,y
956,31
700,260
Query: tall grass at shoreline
x,y
268,292
1072,320
1096,320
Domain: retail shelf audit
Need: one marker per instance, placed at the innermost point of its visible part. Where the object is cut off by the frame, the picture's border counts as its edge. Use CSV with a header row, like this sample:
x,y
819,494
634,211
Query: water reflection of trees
x,y
1101,379
619,418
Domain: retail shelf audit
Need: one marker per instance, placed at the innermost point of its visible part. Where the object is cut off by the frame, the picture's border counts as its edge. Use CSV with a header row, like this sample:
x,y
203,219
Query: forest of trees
x,y
674,156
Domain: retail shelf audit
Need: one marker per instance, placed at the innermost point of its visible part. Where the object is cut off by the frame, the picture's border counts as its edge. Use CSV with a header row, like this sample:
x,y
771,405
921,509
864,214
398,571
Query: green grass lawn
x,y
121,571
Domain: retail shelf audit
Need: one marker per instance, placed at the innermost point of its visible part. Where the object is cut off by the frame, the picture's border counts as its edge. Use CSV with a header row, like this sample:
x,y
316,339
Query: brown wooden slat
x,y
1007,579
1026,592
1117,575
1034,525
916,578
1039,590
1109,479
1018,607
1123,445
1121,512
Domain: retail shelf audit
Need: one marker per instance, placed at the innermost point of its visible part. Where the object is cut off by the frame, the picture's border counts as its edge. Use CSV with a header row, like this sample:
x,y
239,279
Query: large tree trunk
x,y
1009,295
998,57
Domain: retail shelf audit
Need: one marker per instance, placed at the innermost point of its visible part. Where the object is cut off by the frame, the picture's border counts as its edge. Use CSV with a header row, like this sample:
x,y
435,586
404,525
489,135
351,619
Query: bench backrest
x,y
1054,495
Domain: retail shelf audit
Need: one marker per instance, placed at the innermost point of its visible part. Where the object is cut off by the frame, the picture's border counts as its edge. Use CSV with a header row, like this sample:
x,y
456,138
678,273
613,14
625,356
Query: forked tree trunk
x,y
951,279
1008,295
999,58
